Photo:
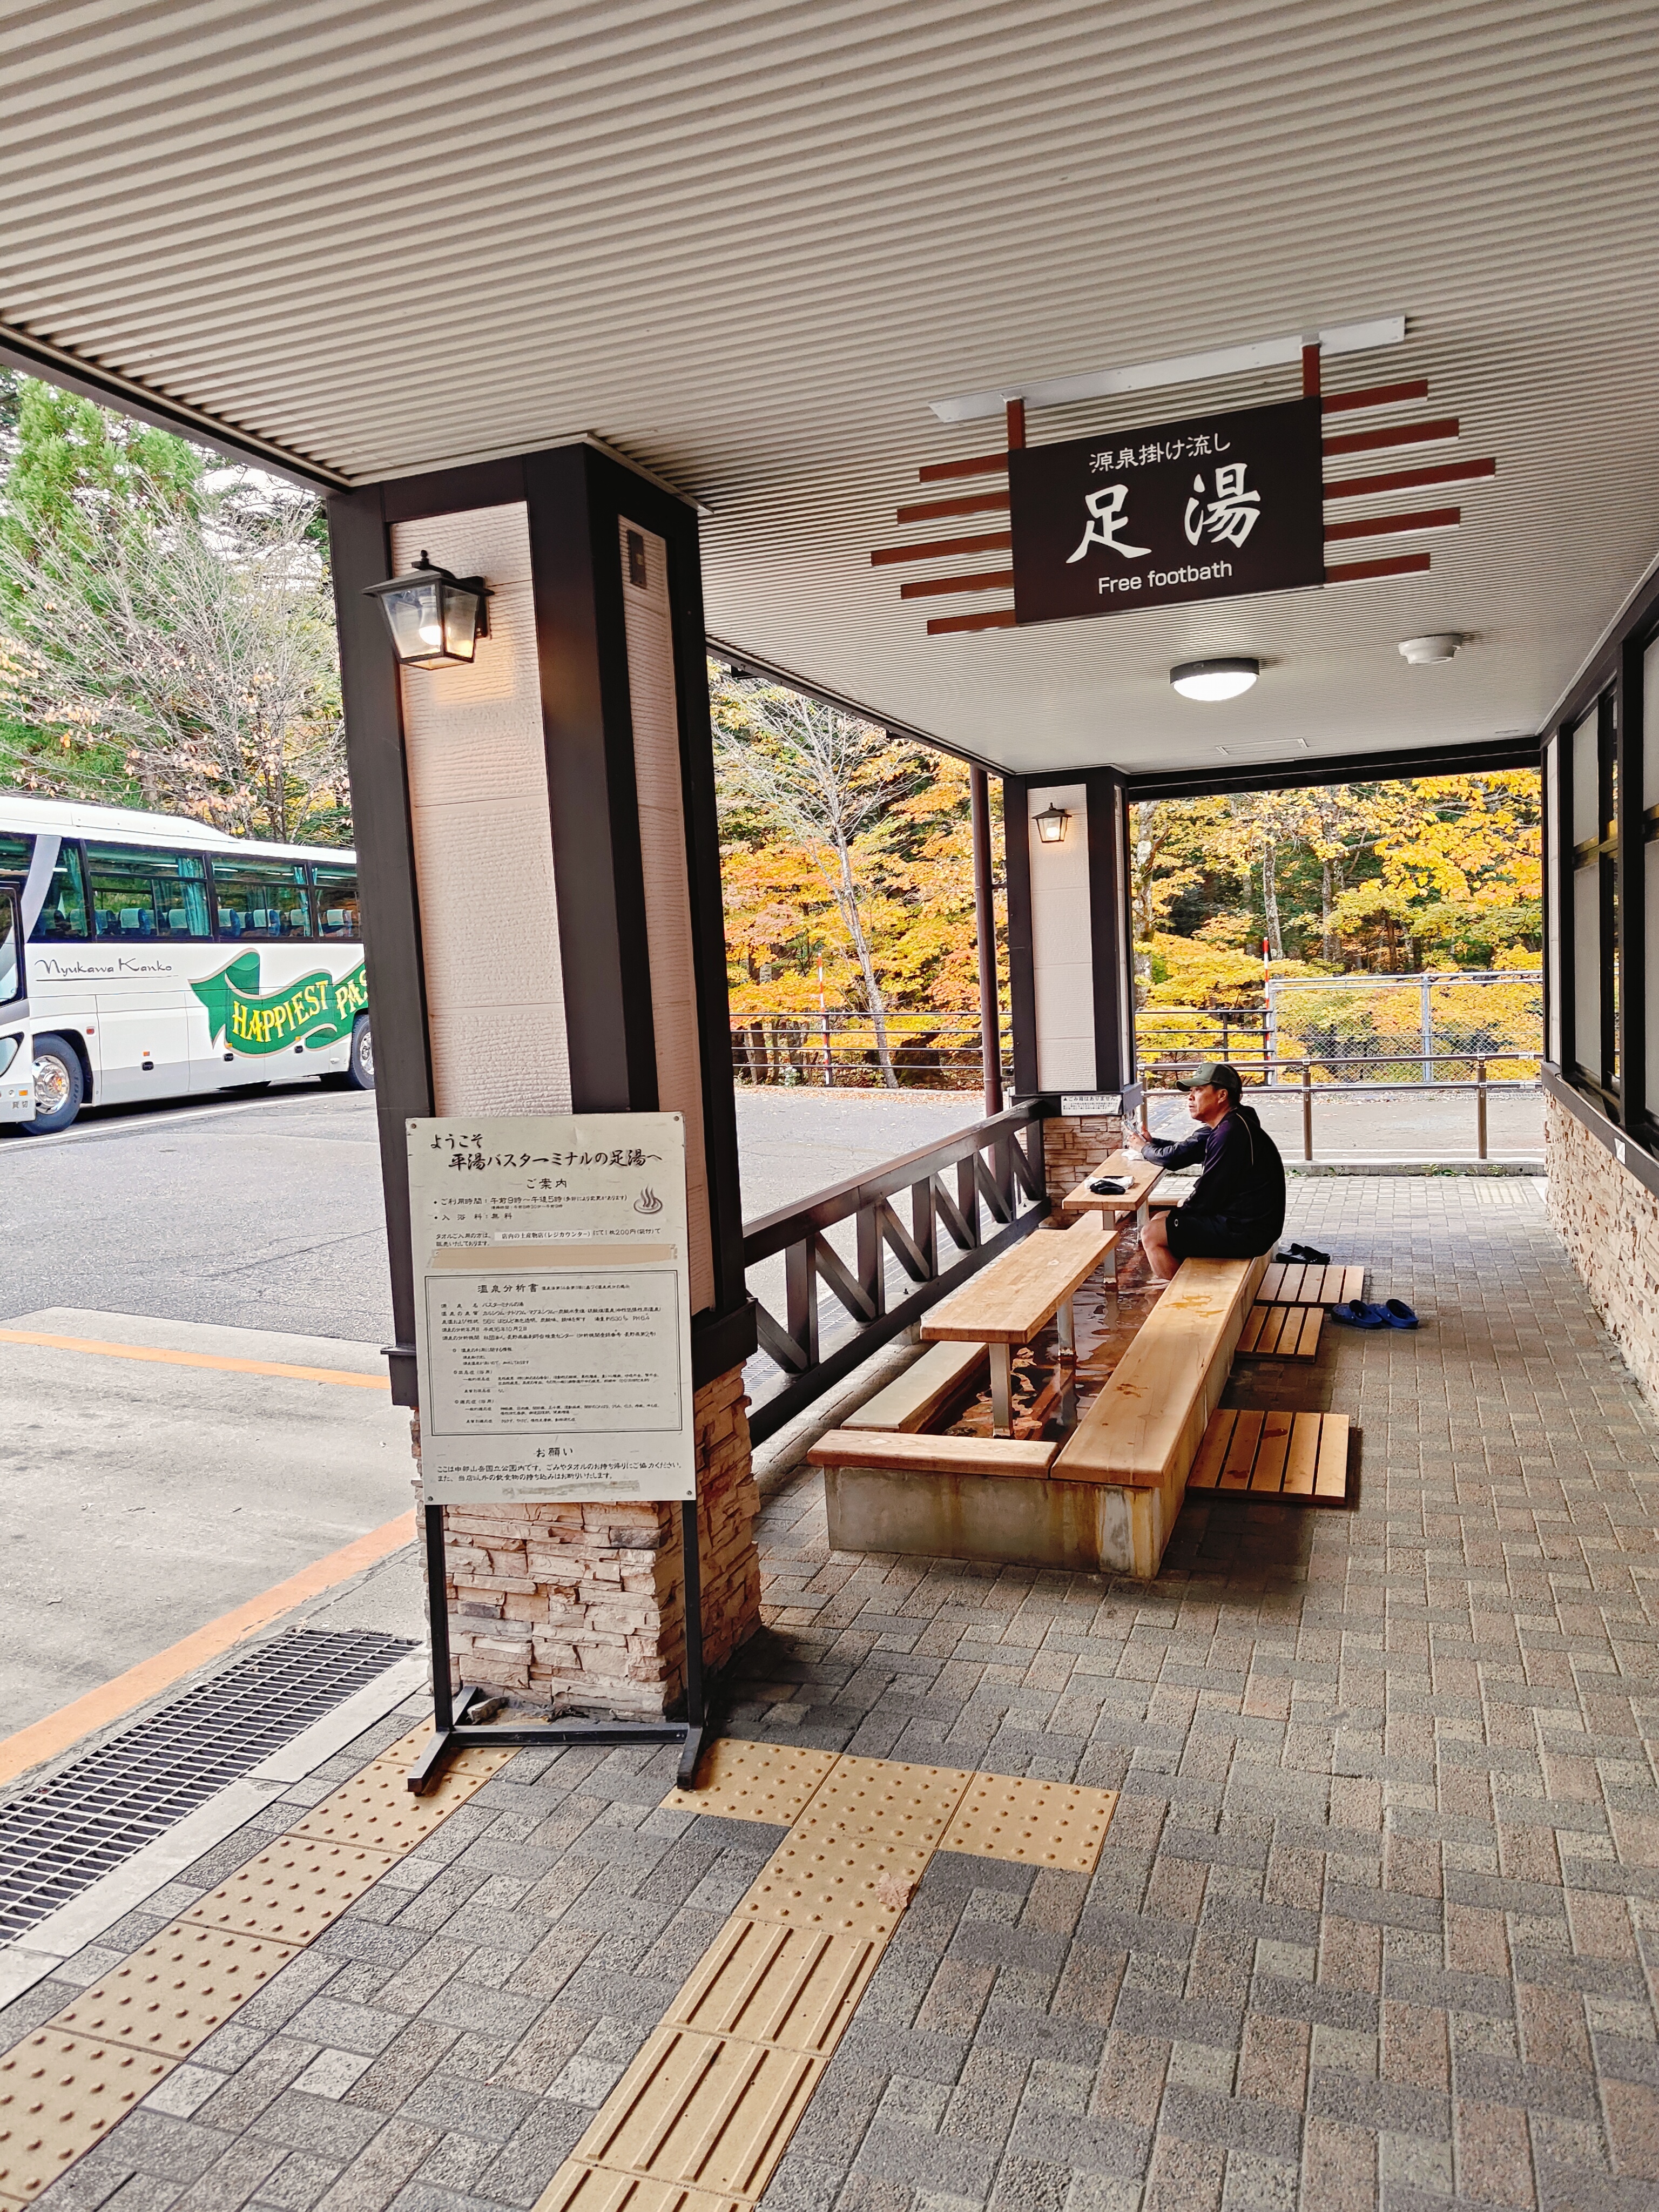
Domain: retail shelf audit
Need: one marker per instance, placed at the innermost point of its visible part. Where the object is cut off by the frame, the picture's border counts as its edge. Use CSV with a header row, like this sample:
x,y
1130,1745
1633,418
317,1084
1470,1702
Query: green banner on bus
x,y
315,1010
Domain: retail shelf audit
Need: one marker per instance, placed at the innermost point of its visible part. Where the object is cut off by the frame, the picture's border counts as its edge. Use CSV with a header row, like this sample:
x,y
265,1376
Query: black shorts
x,y
1213,1237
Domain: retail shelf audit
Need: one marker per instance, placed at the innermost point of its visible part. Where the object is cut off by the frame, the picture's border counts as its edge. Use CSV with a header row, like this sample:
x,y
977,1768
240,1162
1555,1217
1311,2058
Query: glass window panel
x,y
337,913
139,896
1552,897
1586,822
1650,726
261,899
10,984
64,905
1587,969
16,851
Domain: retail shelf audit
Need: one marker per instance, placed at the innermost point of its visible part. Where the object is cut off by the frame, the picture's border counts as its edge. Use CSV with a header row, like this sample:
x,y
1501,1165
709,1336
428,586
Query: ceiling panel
x,y
747,245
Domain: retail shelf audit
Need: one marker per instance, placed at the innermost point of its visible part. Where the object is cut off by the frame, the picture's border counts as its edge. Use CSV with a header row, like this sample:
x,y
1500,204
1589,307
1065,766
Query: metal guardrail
x,y
993,1169
1480,1084
835,1047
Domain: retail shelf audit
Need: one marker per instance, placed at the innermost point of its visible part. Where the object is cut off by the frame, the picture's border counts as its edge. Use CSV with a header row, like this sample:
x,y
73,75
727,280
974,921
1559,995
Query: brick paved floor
x,y
1372,1925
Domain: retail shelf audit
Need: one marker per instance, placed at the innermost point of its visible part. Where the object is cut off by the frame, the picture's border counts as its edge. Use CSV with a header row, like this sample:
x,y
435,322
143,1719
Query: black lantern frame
x,y
1051,824
435,619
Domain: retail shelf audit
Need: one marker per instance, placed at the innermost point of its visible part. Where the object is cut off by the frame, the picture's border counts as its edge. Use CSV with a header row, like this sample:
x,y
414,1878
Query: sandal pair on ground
x,y
1393,1313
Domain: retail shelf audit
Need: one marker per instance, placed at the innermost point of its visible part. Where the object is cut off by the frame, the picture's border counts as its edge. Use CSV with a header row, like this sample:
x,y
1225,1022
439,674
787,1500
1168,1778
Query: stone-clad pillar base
x,y
1074,1143
582,1606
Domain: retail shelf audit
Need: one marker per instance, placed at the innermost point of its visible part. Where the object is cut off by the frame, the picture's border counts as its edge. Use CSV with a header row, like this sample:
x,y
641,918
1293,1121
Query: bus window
x,y
63,910
338,913
11,973
260,899
138,896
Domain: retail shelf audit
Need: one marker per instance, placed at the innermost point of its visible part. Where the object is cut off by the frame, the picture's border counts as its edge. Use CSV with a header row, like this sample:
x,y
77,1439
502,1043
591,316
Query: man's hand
x,y
1133,1141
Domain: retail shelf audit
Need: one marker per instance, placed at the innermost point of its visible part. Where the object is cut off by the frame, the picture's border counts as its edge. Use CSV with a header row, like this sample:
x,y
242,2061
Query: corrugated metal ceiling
x,y
747,244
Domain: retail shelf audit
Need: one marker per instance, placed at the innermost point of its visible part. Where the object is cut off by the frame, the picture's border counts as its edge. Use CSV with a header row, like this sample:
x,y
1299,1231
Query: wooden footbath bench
x,y
1104,1502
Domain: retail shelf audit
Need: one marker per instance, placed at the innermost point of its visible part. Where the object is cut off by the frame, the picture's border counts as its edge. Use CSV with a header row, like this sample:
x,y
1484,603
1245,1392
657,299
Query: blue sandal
x,y
1356,1313
1397,1314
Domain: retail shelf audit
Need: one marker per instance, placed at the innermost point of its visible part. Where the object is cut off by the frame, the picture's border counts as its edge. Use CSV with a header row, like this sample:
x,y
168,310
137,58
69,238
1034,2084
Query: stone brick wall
x,y
583,1606
1074,1143
1609,1223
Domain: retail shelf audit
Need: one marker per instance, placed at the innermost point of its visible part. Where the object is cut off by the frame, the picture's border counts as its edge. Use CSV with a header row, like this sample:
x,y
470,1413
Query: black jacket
x,y
1243,1179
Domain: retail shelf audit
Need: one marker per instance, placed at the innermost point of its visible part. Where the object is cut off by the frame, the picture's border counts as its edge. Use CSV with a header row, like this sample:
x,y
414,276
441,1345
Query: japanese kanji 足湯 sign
x,y
1209,508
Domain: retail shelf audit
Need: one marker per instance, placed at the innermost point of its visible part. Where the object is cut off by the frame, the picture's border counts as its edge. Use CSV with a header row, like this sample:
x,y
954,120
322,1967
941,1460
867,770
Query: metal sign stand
x,y
453,1732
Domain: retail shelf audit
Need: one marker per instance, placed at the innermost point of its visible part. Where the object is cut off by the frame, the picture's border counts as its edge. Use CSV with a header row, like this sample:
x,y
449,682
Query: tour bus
x,y
163,959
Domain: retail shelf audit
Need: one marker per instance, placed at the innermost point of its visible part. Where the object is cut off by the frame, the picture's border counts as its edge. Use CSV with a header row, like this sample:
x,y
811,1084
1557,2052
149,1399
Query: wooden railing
x,y
968,1199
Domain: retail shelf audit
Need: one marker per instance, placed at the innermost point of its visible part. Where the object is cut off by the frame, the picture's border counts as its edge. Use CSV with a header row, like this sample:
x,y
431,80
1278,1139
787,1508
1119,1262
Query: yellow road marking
x,y
165,1359
58,1730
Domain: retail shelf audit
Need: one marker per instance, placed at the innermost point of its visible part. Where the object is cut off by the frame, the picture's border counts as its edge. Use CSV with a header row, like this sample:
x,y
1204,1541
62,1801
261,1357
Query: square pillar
x,y
1069,951
539,866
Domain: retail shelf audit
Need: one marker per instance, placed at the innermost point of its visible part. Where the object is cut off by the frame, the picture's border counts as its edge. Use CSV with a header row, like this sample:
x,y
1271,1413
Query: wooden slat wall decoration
x,y
1382,438
1301,1458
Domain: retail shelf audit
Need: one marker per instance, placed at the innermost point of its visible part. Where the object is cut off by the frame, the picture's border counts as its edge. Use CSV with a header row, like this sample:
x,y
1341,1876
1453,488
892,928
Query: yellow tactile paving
x,y
1052,1824
754,1782
58,2094
579,2188
886,1799
766,1983
296,1888
376,1808
837,1885
172,1995
705,2110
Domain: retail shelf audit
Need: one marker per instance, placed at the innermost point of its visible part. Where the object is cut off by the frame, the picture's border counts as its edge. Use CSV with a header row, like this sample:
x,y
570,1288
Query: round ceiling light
x,y
1214,679
1432,652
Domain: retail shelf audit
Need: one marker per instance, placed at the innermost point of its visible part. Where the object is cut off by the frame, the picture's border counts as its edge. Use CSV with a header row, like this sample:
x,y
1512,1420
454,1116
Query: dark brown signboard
x,y
1209,508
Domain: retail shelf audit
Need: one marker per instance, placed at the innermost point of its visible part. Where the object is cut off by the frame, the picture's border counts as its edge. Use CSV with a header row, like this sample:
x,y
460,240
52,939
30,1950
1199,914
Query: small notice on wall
x,y
553,1320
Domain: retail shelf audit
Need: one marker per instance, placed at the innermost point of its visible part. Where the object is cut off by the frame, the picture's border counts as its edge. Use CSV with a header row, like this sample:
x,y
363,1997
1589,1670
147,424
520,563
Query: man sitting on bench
x,y
1237,1205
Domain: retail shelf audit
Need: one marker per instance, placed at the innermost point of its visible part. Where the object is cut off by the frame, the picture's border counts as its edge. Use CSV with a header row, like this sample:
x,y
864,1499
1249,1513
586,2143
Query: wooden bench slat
x,y
1143,1178
1254,1322
1241,1455
911,1399
1303,1458
1312,1321
1213,1452
1269,1470
1271,1282
1353,1284
1331,1480
906,1453
1008,1301
1145,1429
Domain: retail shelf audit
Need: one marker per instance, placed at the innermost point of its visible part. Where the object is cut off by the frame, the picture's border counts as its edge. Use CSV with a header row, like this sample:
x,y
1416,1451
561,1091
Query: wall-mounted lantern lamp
x,y
1051,824
435,618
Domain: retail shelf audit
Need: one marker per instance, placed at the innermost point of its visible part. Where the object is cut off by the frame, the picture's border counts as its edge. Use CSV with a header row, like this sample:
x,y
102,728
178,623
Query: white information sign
x,y
553,1321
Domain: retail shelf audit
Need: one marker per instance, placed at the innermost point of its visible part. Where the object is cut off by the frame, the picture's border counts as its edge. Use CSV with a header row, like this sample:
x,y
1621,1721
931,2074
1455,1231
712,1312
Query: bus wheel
x,y
60,1087
361,1066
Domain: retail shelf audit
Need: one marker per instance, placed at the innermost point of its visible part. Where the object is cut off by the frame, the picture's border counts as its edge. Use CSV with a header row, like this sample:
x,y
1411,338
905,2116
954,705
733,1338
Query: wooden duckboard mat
x,y
1282,1332
1287,1285
1300,1458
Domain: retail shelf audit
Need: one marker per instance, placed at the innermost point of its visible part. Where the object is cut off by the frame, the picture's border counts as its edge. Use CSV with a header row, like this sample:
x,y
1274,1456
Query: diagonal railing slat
x,y
1013,1172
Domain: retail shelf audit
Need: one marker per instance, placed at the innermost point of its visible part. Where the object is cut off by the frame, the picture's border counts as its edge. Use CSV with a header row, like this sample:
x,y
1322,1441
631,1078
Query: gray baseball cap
x,y
1220,1074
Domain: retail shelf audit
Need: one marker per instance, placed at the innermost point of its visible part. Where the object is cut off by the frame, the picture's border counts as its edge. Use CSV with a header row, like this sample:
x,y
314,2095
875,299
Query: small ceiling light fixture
x,y
1432,652
435,619
1214,679
1051,824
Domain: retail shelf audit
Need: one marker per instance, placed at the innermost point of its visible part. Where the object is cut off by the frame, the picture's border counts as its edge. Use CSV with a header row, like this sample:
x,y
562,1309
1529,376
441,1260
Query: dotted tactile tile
x,y
885,1801
377,1808
577,2187
761,1982
296,1888
59,2094
754,1782
172,1995
836,1885
704,2110
1053,1824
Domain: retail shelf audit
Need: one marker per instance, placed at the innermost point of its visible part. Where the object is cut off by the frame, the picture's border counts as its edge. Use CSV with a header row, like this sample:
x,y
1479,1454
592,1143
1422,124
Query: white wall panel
x,y
1062,946
655,706
483,843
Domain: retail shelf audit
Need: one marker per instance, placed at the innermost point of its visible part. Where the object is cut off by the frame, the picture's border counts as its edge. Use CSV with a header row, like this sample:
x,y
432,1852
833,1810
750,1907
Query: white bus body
x,y
165,959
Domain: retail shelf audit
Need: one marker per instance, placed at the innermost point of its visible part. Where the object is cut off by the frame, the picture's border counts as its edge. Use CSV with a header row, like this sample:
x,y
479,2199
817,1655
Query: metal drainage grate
x,y
61,1837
